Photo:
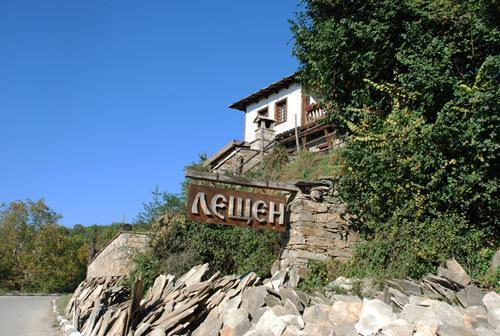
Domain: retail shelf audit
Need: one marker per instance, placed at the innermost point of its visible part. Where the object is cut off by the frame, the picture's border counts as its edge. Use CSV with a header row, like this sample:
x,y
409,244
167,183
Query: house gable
x,y
285,82
117,257
292,95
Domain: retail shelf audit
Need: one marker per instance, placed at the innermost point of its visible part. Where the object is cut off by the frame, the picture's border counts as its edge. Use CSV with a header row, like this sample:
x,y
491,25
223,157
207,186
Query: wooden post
x,y
328,139
235,162
297,142
134,305
262,126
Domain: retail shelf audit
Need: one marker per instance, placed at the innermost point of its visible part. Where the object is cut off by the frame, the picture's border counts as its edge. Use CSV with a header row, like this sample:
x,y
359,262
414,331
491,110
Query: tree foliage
x,y
423,46
416,83
181,244
160,203
178,244
36,253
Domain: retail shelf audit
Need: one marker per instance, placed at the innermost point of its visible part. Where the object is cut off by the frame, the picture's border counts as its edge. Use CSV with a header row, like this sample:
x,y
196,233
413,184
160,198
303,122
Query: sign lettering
x,y
238,208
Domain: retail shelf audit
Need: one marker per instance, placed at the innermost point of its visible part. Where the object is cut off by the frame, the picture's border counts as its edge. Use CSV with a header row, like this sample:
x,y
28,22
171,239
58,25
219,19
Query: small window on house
x,y
280,112
310,101
263,112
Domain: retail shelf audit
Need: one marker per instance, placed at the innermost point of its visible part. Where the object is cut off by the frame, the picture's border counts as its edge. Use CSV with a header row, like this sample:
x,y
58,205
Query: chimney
x,y
126,227
264,132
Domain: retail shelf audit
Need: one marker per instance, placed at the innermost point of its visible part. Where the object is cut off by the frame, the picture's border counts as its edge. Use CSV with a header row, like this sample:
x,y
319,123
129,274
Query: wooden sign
x,y
238,208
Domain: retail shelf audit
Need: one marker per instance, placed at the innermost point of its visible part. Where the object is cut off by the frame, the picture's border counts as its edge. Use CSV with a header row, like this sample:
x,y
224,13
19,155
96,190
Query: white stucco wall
x,y
294,106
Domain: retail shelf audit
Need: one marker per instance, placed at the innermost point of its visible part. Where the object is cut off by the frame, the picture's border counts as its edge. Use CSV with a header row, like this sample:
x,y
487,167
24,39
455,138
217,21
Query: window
x,y
280,112
263,112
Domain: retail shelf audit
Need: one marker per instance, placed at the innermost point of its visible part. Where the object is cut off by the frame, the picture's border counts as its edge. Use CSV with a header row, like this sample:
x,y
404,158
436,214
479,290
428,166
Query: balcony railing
x,y
314,113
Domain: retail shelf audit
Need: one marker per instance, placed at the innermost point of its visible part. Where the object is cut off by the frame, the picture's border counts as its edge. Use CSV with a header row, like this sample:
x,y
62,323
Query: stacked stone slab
x,y
451,284
320,229
101,306
97,304
200,304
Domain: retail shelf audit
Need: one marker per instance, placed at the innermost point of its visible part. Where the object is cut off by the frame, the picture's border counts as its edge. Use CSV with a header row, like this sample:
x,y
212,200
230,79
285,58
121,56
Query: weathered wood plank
x,y
134,305
239,180
237,208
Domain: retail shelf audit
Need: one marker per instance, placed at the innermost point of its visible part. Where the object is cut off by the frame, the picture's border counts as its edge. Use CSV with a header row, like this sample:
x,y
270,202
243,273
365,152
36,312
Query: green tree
x,y
160,203
416,85
57,262
36,253
425,46
19,224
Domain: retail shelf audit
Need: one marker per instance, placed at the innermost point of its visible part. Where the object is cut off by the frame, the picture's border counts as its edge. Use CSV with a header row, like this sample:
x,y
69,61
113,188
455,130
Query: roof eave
x,y
242,104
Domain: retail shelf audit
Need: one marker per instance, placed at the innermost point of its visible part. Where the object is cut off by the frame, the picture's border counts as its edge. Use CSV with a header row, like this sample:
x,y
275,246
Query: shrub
x,y
428,191
178,244
416,83
317,277
181,244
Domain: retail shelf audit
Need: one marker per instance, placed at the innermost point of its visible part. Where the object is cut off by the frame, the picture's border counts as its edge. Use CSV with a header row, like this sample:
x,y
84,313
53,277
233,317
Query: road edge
x,y
66,327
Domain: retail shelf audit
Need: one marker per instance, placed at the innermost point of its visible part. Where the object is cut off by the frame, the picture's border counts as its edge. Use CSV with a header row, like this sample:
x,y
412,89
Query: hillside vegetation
x,y
413,86
36,254
39,255
178,244
416,85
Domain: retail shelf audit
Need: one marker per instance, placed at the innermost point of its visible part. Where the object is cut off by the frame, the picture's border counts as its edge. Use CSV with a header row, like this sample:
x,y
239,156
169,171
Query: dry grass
x,y
305,166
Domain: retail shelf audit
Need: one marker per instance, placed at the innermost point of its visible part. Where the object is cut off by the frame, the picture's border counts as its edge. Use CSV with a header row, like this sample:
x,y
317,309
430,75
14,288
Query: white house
x,y
282,101
280,112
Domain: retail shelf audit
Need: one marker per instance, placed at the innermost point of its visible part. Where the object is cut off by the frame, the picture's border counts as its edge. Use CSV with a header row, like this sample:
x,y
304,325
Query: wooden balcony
x,y
314,113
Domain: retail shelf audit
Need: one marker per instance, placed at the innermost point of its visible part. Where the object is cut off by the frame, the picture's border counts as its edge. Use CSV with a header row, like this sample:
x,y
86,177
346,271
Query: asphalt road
x,y
27,316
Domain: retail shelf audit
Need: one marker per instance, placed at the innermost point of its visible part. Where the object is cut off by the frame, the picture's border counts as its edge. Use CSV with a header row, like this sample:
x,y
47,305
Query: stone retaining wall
x,y
117,258
320,229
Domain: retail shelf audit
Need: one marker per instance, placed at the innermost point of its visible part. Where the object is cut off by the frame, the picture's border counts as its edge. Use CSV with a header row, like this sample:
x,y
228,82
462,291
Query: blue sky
x,y
100,101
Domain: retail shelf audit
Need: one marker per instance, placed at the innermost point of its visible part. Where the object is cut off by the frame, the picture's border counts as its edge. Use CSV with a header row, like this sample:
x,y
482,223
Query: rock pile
x,y
201,305
98,304
451,284
102,307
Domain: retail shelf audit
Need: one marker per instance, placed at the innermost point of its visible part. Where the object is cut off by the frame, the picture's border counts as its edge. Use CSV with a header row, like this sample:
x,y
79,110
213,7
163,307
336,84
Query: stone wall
x,y
117,258
320,229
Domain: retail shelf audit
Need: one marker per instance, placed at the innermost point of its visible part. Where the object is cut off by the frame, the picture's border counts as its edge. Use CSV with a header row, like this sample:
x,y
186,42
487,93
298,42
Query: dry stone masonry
x,y
320,229
204,304
117,258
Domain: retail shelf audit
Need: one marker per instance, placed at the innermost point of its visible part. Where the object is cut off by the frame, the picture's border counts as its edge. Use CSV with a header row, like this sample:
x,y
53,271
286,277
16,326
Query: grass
x,y
62,302
304,166
310,166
